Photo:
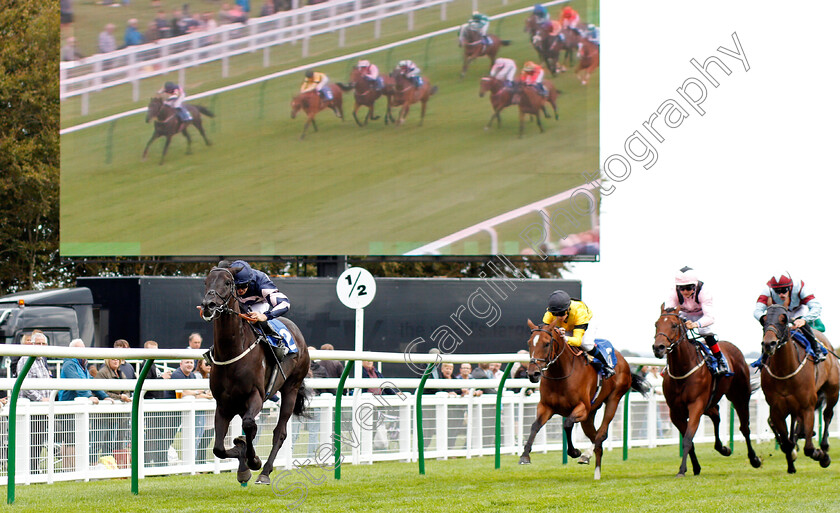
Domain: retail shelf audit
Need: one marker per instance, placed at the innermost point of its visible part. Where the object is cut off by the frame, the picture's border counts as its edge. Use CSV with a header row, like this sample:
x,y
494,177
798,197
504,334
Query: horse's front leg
x,y
714,414
146,151
688,427
544,413
165,148
828,415
779,427
466,64
238,451
189,140
808,426
249,426
287,405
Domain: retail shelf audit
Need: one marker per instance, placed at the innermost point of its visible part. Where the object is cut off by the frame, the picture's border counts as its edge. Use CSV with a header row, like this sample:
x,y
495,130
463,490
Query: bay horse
x,y
547,47
589,60
531,102
568,43
691,391
239,378
312,103
365,94
405,93
500,97
475,47
794,386
570,387
167,124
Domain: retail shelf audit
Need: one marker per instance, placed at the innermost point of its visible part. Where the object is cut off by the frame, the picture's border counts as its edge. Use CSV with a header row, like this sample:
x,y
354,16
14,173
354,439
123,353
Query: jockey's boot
x,y
280,351
606,368
184,114
722,366
207,358
815,344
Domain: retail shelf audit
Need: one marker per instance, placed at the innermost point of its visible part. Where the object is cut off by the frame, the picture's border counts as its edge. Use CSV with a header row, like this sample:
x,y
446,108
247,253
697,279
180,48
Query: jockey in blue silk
x,y
804,309
410,71
697,309
541,14
593,33
575,323
176,99
264,303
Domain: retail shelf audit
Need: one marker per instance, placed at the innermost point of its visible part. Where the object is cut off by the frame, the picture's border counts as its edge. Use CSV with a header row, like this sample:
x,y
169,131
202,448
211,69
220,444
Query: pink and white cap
x,y
686,276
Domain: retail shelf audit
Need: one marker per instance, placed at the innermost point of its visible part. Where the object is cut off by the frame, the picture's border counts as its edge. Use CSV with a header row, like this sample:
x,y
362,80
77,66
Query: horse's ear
x,y
531,325
236,269
224,263
662,308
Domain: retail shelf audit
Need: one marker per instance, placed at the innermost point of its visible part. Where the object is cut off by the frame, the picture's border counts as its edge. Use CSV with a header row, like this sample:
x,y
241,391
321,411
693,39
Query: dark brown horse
x,y
405,93
570,387
690,389
500,97
312,103
568,44
532,103
167,124
241,373
365,94
547,47
794,386
589,60
475,47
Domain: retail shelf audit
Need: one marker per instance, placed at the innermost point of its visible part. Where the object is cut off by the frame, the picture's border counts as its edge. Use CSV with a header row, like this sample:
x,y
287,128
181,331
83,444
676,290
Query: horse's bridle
x,y
223,307
782,334
683,335
548,361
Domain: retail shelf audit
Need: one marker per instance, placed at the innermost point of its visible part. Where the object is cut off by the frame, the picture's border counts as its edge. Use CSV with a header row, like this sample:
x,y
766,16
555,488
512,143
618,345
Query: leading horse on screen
x,y
691,390
794,387
570,387
167,124
241,375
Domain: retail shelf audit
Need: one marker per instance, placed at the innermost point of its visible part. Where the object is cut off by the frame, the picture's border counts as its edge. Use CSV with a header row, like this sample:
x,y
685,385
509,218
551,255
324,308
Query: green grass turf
x,y
344,190
645,482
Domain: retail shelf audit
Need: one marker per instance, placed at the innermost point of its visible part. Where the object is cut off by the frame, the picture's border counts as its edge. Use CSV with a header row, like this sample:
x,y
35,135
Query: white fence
x,y
134,63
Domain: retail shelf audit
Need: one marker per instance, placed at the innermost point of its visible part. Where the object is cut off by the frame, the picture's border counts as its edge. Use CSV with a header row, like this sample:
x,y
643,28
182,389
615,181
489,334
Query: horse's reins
x,y
683,335
544,369
225,309
782,336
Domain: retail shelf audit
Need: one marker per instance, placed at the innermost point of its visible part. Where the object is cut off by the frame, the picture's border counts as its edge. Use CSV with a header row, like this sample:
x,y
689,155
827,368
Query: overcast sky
x,y
743,192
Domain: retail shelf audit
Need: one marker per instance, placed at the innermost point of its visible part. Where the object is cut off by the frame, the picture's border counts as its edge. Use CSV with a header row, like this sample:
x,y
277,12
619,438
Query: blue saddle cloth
x,y
285,336
606,348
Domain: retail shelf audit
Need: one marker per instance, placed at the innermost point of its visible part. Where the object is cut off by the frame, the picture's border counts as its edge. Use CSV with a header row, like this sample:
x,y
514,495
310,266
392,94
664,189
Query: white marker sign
x,y
356,288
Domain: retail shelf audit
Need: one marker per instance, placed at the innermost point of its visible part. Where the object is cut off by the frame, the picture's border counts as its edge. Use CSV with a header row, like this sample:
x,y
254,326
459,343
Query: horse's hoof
x,y
826,461
597,473
726,451
263,480
573,453
256,464
696,472
681,474
524,460
755,462
240,440
243,476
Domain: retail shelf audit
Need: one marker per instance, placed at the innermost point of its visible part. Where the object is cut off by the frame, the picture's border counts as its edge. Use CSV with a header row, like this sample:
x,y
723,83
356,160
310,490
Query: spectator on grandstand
x,y
204,430
154,373
157,425
111,369
210,21
370,371
25,339
39,369
189,22
496,370
107,41
164,27
327,368
76,368
184,371
69,51
133,36
520,371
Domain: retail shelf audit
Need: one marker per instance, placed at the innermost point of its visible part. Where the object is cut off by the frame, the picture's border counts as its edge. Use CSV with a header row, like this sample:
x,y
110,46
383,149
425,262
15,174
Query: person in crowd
x,y
126,368
697,308
116,437
39,370
803,306
327,368
465,372
111,369
446,371
267,8
107,42
164,26
204,429
133,36
194,342
370,371
69,51
171,426
158,425
482,371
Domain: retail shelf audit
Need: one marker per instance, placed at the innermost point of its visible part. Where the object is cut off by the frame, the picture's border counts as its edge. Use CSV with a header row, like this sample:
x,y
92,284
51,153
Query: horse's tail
x,y
433,90
640,384
504,42
302,401
204,110
346,87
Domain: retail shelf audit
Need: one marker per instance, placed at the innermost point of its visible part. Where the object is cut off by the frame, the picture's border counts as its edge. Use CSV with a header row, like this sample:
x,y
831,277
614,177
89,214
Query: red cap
x,y
781,282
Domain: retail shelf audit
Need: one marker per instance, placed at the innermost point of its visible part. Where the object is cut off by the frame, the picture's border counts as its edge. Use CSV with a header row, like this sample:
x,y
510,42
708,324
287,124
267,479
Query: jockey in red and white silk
x,y
804,309
569,17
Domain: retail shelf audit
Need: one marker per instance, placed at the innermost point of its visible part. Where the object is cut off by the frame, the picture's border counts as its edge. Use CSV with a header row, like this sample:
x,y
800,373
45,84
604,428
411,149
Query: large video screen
x,y
460,183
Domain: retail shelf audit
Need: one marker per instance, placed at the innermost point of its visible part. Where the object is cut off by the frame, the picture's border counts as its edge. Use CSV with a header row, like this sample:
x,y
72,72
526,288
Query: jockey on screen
x,y
371,73
317,81
410,71
593,33
479,23
802,305
541,14
176,100
532,75
697,308
504,69
576,318
569,17
263,303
